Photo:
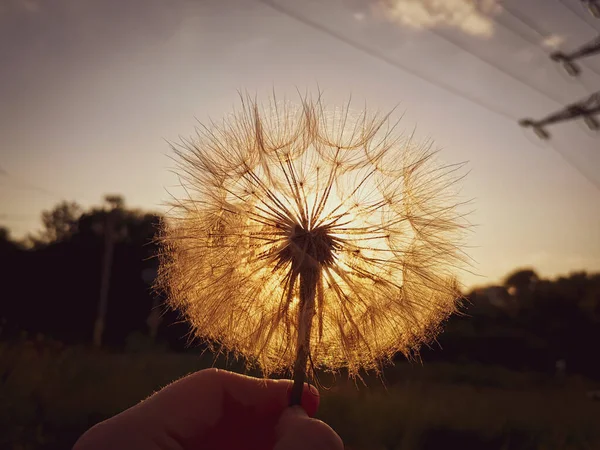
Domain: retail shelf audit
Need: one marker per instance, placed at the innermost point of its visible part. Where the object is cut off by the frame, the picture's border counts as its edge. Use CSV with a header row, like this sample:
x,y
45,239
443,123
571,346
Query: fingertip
x,y
268,395
296,430
310,399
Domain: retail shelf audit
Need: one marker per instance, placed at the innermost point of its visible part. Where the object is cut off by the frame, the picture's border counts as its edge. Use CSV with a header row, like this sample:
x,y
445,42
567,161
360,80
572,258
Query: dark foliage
x,y
53,289
529,324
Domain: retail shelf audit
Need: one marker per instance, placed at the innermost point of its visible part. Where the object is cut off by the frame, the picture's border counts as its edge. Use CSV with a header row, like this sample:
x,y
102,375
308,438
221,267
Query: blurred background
x,y
92,92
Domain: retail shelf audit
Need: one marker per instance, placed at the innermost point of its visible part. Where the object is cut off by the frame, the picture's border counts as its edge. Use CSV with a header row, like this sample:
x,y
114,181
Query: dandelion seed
x,y
312,238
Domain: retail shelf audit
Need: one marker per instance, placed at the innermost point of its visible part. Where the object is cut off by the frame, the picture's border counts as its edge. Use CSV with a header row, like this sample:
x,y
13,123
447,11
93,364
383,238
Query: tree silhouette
x,y
60,223
60,277
521,280
54,289
114,201
6,242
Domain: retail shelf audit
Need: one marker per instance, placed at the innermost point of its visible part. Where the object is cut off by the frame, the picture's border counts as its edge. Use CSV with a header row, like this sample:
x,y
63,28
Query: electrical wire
x,y
381,56
17,217
480,58
536,29
576,14
24,185
569,160
499,68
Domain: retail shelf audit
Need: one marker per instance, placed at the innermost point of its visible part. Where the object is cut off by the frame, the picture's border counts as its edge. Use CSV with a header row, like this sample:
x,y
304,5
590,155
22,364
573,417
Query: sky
x,y
92,92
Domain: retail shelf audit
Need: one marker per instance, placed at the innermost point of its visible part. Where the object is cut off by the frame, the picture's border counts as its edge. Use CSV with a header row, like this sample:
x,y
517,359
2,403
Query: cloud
x,y
553,41
473,17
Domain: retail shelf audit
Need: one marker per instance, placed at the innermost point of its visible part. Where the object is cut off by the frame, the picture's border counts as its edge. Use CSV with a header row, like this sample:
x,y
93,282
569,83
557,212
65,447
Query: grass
x,y
50,394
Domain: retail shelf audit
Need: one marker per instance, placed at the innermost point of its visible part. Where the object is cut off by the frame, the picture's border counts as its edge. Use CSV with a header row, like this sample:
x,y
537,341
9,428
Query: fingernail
x,y
309,400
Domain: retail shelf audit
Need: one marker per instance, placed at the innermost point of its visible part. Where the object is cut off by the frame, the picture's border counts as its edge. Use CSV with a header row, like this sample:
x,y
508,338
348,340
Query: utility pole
x,y
593,6
586,108
154,317
568,59
109,244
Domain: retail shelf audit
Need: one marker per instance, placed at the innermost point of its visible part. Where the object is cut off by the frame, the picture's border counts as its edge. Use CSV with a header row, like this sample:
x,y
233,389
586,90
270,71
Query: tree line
x,y
54,278
86,278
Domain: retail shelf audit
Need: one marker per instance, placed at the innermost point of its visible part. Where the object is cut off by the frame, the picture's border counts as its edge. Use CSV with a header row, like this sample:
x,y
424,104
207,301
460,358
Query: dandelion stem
x,y
309,278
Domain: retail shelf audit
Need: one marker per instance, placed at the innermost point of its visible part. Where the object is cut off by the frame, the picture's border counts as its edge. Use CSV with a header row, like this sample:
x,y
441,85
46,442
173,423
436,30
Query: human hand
x,y
216,409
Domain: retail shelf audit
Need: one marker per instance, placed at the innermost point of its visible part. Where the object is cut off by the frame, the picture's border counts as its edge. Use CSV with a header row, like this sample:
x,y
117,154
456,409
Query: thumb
x,y
296,431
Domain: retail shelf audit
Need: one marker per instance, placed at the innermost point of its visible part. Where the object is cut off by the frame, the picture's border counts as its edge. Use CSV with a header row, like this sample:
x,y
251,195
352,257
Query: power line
x,y
528,23
381,56
593,7
585,108
576,14
571,60
536,29
569,161
24,185
17,217
32,187
498,68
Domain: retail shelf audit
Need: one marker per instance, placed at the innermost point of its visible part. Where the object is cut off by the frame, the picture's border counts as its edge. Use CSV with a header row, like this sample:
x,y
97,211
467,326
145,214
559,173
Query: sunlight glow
x,y
283,192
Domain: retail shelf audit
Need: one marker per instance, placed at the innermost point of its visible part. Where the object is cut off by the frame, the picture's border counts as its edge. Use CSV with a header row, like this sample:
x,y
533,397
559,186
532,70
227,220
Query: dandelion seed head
x,y
280,189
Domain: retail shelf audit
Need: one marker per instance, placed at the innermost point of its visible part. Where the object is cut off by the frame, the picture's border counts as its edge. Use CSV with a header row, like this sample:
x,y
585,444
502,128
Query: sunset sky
x,y
91,91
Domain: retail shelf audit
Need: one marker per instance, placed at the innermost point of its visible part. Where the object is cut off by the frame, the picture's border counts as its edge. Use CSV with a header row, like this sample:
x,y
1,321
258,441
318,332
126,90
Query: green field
x,y
50,394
